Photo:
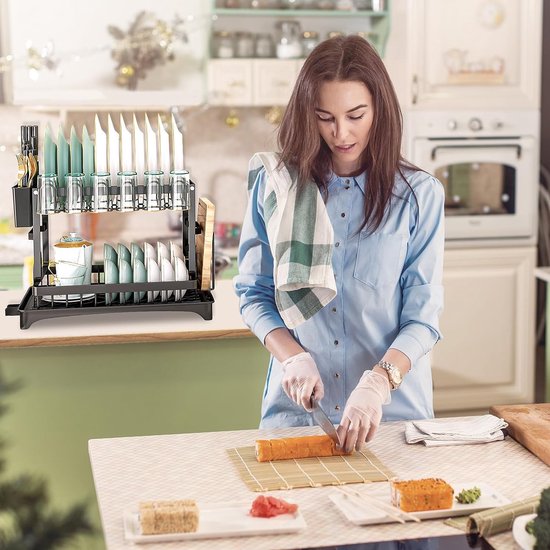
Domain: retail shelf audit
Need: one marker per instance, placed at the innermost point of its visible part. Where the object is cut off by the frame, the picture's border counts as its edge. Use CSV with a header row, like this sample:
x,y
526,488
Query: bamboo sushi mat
x,y
360,467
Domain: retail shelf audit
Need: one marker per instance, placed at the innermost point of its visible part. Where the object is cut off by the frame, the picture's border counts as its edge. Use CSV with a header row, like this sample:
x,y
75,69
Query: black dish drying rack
x,y
45,300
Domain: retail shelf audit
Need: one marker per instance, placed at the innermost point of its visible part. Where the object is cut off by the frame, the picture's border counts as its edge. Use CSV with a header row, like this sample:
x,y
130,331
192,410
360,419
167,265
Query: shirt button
x,y
347,182
335,342
337,407
336,375
336,244
343,214
333,310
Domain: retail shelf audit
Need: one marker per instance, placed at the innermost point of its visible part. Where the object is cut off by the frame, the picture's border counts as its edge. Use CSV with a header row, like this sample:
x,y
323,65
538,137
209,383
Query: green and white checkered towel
x,y
300,237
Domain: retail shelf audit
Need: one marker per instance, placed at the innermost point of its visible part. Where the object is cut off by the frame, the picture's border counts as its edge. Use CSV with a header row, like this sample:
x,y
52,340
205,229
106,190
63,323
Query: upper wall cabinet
x,y
474,53
274,36
86,74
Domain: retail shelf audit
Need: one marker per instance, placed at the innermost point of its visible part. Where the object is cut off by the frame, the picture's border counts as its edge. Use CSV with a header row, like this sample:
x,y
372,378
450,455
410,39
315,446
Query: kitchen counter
x,y
127,470
115,328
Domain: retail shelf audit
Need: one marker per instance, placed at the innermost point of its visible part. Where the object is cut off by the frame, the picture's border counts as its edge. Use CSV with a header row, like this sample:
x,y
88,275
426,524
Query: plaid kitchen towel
x,y
300,237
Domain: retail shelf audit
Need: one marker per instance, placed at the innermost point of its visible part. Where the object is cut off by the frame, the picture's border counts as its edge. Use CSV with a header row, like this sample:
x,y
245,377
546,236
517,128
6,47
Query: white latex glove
x,y
363,411
301,380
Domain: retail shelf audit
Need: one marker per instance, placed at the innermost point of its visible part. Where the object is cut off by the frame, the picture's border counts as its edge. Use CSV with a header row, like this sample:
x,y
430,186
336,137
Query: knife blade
x,y
320,417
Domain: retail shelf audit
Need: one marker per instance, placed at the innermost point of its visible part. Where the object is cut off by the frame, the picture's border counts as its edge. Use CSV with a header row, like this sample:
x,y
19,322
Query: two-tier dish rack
x,y
42,299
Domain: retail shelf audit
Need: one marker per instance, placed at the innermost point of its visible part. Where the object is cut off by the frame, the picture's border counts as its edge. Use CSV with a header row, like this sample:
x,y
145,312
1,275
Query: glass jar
x,y
332,34
290,4
223,45
264,45
310,39
325,4
244,44
289,45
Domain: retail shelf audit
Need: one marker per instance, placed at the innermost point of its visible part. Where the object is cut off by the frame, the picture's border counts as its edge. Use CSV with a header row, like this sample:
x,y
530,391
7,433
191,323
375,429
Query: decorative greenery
x,y
26,521
147,43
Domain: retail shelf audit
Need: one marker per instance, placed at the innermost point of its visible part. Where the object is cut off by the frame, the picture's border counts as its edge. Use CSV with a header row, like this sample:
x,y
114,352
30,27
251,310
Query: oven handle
x,y
492,146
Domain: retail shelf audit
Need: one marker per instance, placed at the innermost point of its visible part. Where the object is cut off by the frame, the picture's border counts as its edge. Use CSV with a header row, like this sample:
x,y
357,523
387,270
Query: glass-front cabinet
x,y
482,51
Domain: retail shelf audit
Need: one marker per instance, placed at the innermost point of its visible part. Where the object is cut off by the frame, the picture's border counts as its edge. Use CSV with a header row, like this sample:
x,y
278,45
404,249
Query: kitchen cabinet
x,y
240,82
474,52
270,81
486,356
86,73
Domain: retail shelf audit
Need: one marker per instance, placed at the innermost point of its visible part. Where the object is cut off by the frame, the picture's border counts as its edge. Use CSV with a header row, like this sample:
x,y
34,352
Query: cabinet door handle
x,y
414,89
237,84
281,83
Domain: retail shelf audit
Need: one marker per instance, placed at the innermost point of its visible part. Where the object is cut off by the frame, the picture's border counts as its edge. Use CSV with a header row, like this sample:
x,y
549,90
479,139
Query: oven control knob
x,y
475,124
452,124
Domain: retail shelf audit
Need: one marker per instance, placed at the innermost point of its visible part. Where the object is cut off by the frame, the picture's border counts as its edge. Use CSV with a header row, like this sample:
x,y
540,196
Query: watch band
x,y
394,377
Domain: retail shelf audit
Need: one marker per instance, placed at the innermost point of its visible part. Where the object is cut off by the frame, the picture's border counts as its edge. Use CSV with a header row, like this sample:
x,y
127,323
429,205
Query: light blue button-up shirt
x,y
389,295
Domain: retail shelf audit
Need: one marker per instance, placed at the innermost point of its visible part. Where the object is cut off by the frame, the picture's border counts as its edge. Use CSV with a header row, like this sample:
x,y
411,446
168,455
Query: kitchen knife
x,y
321,418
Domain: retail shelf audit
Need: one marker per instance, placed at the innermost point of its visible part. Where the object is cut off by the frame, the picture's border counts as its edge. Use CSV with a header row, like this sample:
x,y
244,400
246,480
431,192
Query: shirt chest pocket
x,y
380,258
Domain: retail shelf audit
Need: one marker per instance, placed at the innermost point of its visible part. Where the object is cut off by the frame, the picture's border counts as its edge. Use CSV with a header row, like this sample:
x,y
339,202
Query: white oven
x,y
488,163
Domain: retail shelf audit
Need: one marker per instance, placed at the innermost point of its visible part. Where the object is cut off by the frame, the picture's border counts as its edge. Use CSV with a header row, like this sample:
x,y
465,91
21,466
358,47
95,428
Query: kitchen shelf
x,y
298,13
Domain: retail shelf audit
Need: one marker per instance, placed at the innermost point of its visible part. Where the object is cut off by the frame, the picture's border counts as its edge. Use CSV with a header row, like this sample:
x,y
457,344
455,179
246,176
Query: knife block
x,y
22,206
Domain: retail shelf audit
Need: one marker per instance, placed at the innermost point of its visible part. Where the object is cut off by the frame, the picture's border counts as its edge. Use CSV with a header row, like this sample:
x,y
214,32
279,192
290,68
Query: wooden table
x,y
127,470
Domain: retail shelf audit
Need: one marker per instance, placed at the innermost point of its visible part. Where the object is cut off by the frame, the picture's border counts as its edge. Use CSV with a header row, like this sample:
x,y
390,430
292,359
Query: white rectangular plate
x,y
223,519
361,513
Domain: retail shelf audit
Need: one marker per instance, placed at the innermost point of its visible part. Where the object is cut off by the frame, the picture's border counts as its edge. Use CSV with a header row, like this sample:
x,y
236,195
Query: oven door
x,y
490,185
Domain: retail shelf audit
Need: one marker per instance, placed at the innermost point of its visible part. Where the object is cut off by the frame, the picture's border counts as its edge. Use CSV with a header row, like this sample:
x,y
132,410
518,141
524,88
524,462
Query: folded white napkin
x,y
443,431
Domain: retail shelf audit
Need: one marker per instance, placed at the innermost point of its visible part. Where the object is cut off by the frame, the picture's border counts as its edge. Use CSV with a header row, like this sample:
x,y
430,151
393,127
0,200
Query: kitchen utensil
x,y
204,242
21,169
528,425
47,191
390,510
33,169
321,418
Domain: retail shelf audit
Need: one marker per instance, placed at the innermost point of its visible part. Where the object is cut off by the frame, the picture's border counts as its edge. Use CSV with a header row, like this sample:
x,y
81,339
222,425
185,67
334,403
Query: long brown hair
x,y
349,58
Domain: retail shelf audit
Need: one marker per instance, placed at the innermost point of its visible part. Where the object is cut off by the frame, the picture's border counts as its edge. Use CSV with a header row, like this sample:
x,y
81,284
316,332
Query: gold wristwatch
x,y
394,374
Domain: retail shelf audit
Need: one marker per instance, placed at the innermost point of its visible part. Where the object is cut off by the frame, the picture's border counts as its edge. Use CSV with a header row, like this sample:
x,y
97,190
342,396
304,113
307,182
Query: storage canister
x,y
310,39
223,45
264,45
244,44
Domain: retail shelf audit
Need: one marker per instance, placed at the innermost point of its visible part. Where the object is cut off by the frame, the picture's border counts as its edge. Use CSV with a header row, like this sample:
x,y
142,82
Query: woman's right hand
x,y
301,380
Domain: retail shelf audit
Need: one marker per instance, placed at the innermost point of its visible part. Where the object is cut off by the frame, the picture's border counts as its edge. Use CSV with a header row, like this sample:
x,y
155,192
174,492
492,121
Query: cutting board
x,y
529,425
204,243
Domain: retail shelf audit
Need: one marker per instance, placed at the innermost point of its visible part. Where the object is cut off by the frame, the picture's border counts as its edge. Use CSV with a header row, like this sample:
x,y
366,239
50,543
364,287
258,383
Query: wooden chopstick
x,y
364,503
391,510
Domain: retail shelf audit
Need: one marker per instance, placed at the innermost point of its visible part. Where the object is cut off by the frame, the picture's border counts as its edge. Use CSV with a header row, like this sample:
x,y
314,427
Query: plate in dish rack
x,y
223,519
362,513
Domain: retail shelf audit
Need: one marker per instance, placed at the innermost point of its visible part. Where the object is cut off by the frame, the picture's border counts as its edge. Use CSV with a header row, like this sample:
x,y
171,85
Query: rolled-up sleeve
x,y
254,284
421,279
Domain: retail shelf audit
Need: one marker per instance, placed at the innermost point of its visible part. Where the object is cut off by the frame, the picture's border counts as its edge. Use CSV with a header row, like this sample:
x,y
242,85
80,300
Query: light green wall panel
x,y
73,394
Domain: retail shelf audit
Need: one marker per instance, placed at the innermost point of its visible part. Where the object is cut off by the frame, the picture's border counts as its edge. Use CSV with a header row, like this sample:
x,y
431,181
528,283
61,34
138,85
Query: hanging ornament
x,y
232,119
149,42
274,115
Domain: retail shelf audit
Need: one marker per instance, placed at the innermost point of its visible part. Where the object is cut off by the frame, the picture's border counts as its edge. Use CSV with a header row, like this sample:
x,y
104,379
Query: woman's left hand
x,y
363,411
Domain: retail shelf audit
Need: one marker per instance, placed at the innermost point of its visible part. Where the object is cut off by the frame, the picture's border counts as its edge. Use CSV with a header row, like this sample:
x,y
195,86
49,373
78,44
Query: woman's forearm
x,y
281,344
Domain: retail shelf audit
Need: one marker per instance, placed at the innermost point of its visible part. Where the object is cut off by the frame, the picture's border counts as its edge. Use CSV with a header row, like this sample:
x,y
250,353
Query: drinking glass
x,y
153,187
127,182
179,189
47,190
74,183
101,182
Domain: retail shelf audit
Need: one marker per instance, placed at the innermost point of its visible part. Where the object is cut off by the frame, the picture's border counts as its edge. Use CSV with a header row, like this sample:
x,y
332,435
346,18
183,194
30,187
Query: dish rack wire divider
x,y
35,304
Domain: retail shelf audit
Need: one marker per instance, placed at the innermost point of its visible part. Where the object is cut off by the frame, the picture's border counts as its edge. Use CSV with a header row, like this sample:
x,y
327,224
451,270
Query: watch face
x,y
396,376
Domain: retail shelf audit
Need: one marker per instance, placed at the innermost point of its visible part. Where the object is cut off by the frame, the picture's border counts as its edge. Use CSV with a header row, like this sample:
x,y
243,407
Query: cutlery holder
x,y
22,206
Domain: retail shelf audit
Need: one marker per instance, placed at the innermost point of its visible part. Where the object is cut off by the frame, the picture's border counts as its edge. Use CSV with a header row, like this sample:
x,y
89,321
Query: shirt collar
x,y
359,180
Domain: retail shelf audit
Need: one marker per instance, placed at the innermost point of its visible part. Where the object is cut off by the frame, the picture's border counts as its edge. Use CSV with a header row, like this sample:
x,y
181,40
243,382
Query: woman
x,y
340,261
